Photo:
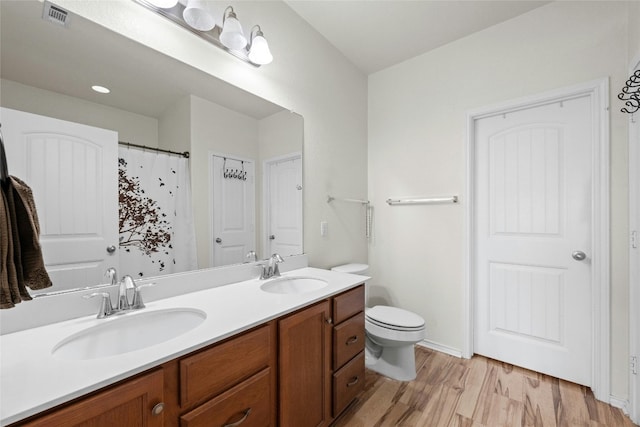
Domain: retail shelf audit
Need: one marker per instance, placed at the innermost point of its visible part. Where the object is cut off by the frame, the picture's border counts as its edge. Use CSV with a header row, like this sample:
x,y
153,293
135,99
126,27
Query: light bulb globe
x,y
232,35
260,53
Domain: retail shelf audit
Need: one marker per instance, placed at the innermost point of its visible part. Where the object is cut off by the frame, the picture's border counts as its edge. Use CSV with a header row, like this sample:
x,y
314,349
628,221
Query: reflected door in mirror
x,y
72,171
233,210
284,205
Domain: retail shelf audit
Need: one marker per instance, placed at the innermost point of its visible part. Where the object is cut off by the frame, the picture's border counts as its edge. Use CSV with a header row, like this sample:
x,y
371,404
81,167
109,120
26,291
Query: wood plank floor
x,y
480,392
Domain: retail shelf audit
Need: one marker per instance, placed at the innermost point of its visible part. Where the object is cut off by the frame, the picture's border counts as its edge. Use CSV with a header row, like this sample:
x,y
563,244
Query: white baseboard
x,y
441,348
619,403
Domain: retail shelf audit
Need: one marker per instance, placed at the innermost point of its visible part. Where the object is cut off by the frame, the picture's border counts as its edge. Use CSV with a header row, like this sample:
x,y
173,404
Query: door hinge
x,y
634,365
634,239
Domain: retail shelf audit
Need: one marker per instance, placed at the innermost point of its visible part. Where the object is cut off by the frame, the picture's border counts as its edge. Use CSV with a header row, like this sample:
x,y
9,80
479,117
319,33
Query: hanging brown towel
x,y
21,255
34,273
9,292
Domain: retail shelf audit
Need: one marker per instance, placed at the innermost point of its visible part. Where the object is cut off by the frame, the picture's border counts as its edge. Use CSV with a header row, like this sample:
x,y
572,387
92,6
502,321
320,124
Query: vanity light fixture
x,y
199,17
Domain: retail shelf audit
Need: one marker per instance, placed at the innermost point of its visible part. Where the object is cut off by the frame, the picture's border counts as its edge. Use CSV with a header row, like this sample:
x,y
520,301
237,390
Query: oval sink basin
x,y
293,285
131,332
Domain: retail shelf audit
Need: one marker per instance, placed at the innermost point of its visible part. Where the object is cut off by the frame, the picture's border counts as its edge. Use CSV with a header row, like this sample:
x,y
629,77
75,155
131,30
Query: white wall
x,y
174,126
131,127
416,148
307,76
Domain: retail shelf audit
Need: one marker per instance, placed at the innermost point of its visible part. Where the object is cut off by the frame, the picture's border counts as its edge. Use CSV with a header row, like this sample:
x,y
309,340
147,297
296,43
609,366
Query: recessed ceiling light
x,y
100,89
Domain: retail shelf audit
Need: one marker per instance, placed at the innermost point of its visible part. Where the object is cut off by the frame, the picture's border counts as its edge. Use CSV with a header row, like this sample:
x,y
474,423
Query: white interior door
x,y
72,170
284,206
233,211
533,245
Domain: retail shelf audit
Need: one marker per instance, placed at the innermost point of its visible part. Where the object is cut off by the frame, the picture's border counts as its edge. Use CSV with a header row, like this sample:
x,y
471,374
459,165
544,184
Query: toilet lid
x,y
351,268
395,317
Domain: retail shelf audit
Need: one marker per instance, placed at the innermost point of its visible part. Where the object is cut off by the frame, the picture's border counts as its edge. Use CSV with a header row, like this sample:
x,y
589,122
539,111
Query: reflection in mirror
x,y
244,172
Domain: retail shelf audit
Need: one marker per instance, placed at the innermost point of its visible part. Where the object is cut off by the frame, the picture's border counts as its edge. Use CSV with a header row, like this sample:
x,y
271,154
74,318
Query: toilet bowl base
x,y
398,363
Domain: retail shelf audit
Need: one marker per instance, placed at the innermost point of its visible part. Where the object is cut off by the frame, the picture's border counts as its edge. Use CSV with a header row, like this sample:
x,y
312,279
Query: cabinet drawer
x,y
247,404
214,370
347,304
347,383
348,340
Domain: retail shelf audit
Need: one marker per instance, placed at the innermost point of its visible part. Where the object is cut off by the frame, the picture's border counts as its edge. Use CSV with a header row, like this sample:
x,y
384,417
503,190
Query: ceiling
x,y
373,34
376,34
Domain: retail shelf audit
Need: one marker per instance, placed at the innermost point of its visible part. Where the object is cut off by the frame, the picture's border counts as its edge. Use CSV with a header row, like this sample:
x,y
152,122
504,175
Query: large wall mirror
x,y
101,203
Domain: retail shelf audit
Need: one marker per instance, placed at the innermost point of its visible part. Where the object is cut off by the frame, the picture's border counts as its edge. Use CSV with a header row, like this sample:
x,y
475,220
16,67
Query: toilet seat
x,y
394,318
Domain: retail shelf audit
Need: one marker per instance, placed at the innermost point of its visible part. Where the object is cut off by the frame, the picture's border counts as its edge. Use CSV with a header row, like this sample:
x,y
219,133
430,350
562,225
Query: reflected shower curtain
x,y
157,234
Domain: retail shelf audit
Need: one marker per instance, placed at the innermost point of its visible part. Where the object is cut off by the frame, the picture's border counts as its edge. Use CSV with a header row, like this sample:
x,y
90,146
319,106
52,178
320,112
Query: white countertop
x,y
33,380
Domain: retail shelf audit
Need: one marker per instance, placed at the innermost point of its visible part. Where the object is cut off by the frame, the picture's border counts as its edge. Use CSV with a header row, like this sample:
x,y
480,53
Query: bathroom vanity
x,y
303,365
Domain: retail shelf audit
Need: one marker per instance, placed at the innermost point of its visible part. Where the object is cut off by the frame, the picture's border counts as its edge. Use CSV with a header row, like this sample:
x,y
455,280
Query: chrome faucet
x,y
270,268
124,303
123,293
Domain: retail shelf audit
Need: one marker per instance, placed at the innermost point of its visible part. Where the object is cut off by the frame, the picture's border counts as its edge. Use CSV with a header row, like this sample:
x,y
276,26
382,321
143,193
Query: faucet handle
x,y
112,274
137,296
264,271
251,256
106,309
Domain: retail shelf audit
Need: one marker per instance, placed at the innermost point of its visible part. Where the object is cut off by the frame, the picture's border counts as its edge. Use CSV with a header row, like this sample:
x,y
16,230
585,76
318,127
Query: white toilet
x,y
391,335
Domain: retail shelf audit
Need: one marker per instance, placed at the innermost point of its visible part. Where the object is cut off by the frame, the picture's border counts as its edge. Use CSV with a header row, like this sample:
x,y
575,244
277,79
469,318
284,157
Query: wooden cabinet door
x,y
304,367
129,404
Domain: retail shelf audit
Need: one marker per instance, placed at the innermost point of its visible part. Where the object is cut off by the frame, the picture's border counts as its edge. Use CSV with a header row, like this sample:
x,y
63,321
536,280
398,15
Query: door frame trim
x,y
598,91
634,256
266,169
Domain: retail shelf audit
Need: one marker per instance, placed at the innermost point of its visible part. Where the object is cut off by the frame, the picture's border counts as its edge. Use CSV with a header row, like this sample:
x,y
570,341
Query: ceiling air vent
x,y
55,14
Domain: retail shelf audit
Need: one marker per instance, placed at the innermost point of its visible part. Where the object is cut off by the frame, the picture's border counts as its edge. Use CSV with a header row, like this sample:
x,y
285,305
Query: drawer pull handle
x,y
241,420
329,320
353,381
352,340
157,410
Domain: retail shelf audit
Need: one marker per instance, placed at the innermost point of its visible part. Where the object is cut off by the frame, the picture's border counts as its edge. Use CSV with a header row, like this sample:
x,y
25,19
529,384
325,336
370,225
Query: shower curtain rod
x,y
161,150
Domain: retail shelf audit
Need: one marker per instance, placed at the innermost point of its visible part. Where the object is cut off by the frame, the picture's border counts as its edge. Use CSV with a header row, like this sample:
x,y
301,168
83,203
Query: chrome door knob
x,y
111,249
579,255
218,240
272,237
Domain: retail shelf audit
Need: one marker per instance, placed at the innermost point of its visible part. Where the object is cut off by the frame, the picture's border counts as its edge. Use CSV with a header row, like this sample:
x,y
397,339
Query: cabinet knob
x,y
157,410
246,413
329,320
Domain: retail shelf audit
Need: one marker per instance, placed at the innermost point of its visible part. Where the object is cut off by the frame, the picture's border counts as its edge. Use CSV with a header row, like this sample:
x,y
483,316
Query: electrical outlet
x,y
634,365
324,228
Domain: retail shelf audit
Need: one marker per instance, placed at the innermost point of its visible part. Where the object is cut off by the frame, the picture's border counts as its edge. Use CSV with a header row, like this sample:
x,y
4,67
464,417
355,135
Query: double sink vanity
x,y
285,351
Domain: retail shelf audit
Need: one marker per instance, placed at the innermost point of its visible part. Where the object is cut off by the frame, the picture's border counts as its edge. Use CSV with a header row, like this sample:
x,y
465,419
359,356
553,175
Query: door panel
x,y
233,212
284,235
532,211
72,170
